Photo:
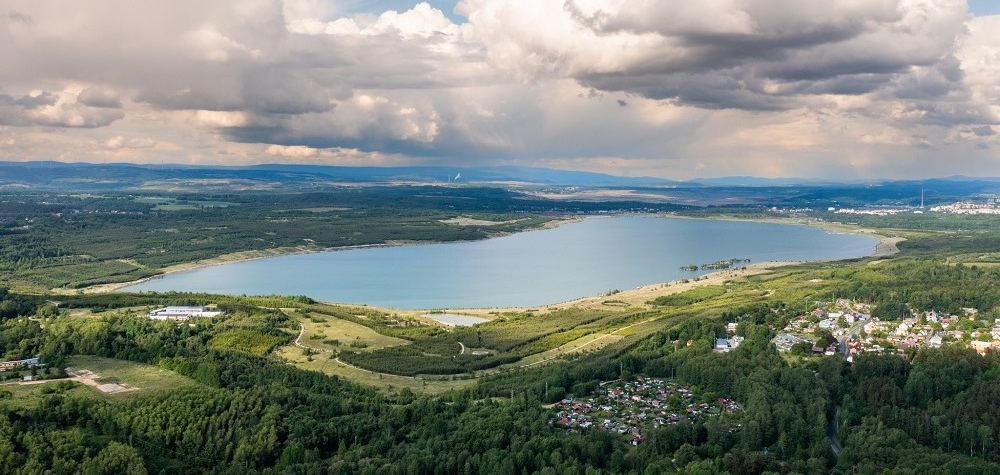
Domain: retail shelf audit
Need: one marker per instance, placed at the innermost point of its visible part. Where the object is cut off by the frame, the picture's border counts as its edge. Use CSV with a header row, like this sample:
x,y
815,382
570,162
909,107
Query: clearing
x,y
326,333
325,363
111,376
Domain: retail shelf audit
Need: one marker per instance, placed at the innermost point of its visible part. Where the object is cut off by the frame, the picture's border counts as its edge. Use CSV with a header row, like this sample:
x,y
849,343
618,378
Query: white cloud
x,y
211,45
224,119
292,151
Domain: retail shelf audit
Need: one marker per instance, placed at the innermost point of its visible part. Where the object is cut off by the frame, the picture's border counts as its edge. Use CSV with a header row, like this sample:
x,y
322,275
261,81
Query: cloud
x,y
96,96
293,151
713,87
754,54
119,142
18,17
35,100
56,109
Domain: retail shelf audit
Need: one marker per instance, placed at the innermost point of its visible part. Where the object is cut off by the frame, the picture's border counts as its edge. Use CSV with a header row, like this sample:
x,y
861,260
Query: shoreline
x,y
884,247
247,256
639,295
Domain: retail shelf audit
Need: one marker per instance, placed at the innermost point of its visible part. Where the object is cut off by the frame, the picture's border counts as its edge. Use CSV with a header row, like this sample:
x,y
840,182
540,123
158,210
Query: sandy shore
x,y
886,246
638,296
215,261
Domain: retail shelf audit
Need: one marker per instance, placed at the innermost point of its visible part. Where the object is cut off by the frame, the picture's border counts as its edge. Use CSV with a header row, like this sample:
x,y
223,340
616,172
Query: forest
x,y
246,411
222,396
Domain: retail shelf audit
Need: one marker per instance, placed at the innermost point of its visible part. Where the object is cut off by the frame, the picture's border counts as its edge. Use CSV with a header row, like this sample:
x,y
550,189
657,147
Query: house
x,y
722,345
735,341
17,364
935,341
982,347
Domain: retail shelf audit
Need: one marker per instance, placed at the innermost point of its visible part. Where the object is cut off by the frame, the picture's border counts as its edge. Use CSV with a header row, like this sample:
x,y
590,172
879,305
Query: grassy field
x,y
30,395
389,382
137,378
145,378
325,332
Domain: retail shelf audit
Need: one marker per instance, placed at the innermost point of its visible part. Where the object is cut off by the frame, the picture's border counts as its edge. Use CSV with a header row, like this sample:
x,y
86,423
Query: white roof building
x,y
181,313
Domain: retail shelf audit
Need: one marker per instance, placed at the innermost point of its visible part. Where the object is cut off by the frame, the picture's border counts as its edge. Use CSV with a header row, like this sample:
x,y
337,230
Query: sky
x,y
847,89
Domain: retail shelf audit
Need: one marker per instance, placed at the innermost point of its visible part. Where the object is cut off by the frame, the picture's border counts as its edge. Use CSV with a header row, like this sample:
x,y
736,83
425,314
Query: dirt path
x,y
89,378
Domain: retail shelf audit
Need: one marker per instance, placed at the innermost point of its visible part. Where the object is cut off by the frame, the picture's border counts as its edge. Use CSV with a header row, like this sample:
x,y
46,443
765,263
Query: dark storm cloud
x,y
34,102
983,131
688,84
709,91
99,97
765,55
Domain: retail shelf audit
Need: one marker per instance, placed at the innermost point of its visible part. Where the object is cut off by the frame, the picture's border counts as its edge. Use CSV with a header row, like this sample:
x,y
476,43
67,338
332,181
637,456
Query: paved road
x,y
844,340
831,432
831,426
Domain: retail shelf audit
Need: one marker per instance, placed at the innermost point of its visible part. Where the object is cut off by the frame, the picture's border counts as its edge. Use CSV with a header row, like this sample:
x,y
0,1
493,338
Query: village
x,y
848,327
632,407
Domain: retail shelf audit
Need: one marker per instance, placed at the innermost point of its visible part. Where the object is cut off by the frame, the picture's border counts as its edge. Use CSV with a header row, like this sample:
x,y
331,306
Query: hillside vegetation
x,y
252,391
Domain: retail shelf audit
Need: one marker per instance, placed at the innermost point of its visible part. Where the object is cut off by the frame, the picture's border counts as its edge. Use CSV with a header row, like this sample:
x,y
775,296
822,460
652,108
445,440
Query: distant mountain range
x,y
51,173
61,175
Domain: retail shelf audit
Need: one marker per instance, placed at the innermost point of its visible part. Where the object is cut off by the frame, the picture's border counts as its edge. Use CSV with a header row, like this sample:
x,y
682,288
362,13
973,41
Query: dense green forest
x,y
217,396
245,413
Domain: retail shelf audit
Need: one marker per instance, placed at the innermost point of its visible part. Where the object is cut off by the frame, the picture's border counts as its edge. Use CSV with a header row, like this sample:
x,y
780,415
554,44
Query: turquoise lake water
x,y
534,268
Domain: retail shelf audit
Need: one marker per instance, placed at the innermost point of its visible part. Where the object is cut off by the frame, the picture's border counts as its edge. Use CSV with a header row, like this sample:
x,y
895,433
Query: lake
x,y
534,268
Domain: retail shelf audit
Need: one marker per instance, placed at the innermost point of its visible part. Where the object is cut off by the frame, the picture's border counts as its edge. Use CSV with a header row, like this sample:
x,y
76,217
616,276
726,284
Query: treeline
x,y
133,337
408,361
923,284
899,415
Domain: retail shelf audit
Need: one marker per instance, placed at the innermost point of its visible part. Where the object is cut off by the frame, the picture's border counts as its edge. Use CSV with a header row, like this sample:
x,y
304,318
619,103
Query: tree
x,y
889,311
115,459
985,436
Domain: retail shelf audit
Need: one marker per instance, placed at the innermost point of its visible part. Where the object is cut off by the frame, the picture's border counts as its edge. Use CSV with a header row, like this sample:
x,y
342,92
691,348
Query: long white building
x,y
181,313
